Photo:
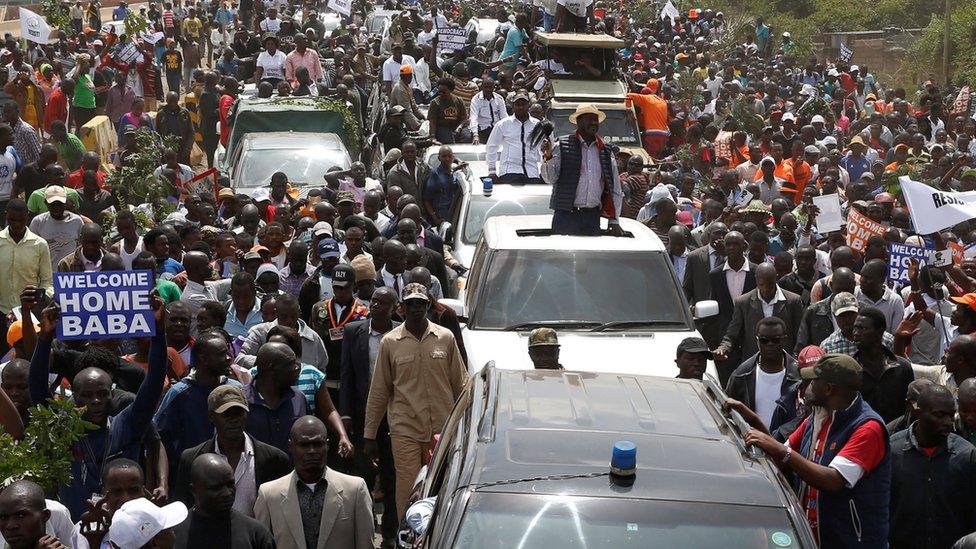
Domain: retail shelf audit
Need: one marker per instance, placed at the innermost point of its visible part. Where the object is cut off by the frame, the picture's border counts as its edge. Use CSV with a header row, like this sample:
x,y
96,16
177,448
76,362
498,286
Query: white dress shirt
x,y
511,135
244,479
767,307
736,280
589,190
394,282
485,113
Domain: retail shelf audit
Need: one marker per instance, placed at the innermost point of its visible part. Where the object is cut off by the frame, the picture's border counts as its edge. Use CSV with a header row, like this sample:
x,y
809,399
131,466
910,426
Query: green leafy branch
x,y
57,14
136,182
44,454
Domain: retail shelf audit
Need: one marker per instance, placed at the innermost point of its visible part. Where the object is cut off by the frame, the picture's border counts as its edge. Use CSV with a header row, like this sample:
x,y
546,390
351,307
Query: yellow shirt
x,y
415,382
24,263
191,27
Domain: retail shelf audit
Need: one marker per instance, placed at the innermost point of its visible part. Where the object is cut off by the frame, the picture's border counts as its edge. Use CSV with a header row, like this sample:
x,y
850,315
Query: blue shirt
x,y
235,327
272,426
223,16
171,266
122,433
119,13
513,41
440,188
856,167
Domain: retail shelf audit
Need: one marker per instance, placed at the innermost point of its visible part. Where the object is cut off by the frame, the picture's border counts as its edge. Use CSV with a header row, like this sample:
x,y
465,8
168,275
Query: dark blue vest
x,y
852,517
570,167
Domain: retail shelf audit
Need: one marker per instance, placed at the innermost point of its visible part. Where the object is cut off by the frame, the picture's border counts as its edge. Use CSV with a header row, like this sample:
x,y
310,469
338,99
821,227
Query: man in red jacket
x,y
57,104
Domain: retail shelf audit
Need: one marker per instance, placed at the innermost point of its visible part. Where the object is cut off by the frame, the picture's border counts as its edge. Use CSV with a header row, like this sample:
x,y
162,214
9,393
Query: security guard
x,y
544,349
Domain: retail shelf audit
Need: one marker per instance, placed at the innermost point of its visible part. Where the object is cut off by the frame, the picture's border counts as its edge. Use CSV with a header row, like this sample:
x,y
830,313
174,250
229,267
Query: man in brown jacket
x,y
418,376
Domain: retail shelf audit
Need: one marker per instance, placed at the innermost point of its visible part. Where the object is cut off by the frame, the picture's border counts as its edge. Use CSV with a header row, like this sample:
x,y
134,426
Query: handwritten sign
x,y
860,228
341,6
105,304
451,39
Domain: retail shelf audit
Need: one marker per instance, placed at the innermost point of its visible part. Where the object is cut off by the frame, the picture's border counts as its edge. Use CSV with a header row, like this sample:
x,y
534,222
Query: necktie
x,y
491,111
719,260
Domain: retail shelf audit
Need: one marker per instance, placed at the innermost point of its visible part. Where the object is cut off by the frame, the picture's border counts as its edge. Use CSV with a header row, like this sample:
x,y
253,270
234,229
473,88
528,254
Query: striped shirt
x,y
309,381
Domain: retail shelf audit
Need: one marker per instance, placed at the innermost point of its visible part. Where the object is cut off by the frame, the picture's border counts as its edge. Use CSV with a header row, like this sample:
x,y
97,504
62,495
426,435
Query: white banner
x,y
933,210
341,6
33,27
669,12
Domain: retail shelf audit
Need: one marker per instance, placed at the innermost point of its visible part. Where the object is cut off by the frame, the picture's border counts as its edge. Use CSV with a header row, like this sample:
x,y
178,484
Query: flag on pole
x,y
33,27
846,53
933,210
669,12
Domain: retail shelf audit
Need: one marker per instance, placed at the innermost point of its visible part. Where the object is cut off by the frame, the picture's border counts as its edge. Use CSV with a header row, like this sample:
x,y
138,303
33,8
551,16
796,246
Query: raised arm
x,y
147,398
40,366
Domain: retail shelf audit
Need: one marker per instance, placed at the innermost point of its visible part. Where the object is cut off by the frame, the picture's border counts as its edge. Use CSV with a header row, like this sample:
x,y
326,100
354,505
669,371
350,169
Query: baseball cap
x,y
811,149
694,345
97,42
789,116
521,95
856,140
968,300
138,521
343,275
261,194
321,228
415,290
266,268
685,218
844,302
365,270
345,196
226,192
55,193
328,248
252,255
129,128
809,356
406,69
543,337
837,369
769,159
817,118
225,397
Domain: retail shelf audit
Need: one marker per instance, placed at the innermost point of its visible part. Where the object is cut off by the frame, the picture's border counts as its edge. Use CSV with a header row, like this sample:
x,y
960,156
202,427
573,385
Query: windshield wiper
x,y
551,323
634,324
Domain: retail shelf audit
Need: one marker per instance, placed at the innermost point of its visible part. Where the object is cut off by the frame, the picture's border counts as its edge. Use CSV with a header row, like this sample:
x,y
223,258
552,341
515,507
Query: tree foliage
x,y
44,454
924,58
57,14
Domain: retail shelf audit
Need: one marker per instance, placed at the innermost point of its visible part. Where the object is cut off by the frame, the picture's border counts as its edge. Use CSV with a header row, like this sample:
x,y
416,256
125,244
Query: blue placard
x,y
105,304
899,259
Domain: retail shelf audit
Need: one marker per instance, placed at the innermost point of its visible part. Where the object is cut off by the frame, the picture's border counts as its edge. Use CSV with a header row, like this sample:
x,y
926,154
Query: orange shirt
x,y
783,171
733,161
652,113
801,176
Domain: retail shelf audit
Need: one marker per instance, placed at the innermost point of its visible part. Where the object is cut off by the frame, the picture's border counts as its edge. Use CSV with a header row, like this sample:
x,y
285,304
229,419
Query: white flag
x,y
33,27
670,12
933,210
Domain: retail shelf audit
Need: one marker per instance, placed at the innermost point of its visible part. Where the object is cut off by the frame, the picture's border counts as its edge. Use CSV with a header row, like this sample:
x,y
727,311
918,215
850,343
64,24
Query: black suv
x,y
524,461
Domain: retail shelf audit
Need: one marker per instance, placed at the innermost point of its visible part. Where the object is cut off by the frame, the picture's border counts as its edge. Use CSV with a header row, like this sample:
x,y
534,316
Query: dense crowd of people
x,y
303,363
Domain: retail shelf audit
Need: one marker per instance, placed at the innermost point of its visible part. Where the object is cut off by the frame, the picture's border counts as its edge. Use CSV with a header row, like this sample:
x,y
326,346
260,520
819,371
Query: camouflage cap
x,y
543,337
344,196
844,302
837,369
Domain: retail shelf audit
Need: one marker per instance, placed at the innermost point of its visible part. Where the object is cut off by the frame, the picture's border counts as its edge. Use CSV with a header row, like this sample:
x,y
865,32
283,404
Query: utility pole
x,y
945,44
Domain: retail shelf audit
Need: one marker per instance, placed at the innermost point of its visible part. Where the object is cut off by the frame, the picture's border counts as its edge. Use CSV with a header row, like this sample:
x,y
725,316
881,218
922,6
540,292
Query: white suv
x,y
615,302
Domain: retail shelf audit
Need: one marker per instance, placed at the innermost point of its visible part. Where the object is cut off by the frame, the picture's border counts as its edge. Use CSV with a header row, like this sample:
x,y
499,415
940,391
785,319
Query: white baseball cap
x,y
261,194
789,116
138,521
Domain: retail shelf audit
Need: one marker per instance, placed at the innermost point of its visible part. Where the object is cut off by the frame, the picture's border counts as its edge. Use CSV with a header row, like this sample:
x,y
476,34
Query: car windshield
x,y
591,286
522,520
481,209
619,126
303,166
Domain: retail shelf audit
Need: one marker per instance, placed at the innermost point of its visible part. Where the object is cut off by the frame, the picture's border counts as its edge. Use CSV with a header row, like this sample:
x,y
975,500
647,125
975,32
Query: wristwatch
x,y
789,454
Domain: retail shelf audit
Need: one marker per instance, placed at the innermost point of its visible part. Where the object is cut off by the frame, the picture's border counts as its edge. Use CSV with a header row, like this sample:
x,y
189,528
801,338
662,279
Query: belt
x,y
585,210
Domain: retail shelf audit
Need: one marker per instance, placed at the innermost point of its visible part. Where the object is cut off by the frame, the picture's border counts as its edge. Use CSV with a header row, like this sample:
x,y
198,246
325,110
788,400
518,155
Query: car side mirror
x,y
706,309
458,307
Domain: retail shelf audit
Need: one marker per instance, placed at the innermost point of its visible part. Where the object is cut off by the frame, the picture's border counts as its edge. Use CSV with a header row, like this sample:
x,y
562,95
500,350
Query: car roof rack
x,y
548,232
486,423
735,419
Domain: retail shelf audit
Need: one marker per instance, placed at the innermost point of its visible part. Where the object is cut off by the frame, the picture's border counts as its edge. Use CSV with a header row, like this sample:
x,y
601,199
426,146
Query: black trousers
x,y
385,475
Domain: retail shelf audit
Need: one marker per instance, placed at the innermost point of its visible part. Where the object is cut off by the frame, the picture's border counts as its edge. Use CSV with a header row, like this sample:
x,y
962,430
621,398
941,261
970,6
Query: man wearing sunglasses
x,y
766,376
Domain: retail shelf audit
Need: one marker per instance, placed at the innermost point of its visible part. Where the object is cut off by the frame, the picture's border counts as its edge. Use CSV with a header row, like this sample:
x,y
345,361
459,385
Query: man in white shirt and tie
x,y
487,108
517,161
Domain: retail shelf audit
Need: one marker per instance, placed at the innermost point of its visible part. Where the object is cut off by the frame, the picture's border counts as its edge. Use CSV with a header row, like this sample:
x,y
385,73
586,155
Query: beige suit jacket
x,y
347,519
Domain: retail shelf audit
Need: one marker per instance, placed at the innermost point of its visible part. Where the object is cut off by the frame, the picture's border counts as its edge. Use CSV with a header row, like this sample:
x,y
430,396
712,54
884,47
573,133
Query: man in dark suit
x,y
360,345
227,407
696,283
729,281
407,232
768,299
762,380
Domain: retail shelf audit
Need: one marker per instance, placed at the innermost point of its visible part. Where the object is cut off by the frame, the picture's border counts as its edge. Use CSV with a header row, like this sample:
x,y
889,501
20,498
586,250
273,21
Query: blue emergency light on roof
x,y
623,463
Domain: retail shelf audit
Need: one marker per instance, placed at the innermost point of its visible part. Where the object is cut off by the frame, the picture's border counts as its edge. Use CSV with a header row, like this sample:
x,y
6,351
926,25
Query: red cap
x,y
809,356
684,217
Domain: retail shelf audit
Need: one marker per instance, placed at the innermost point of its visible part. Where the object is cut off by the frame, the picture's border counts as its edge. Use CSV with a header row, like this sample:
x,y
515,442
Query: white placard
x,y
451,38
341,6
830,218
